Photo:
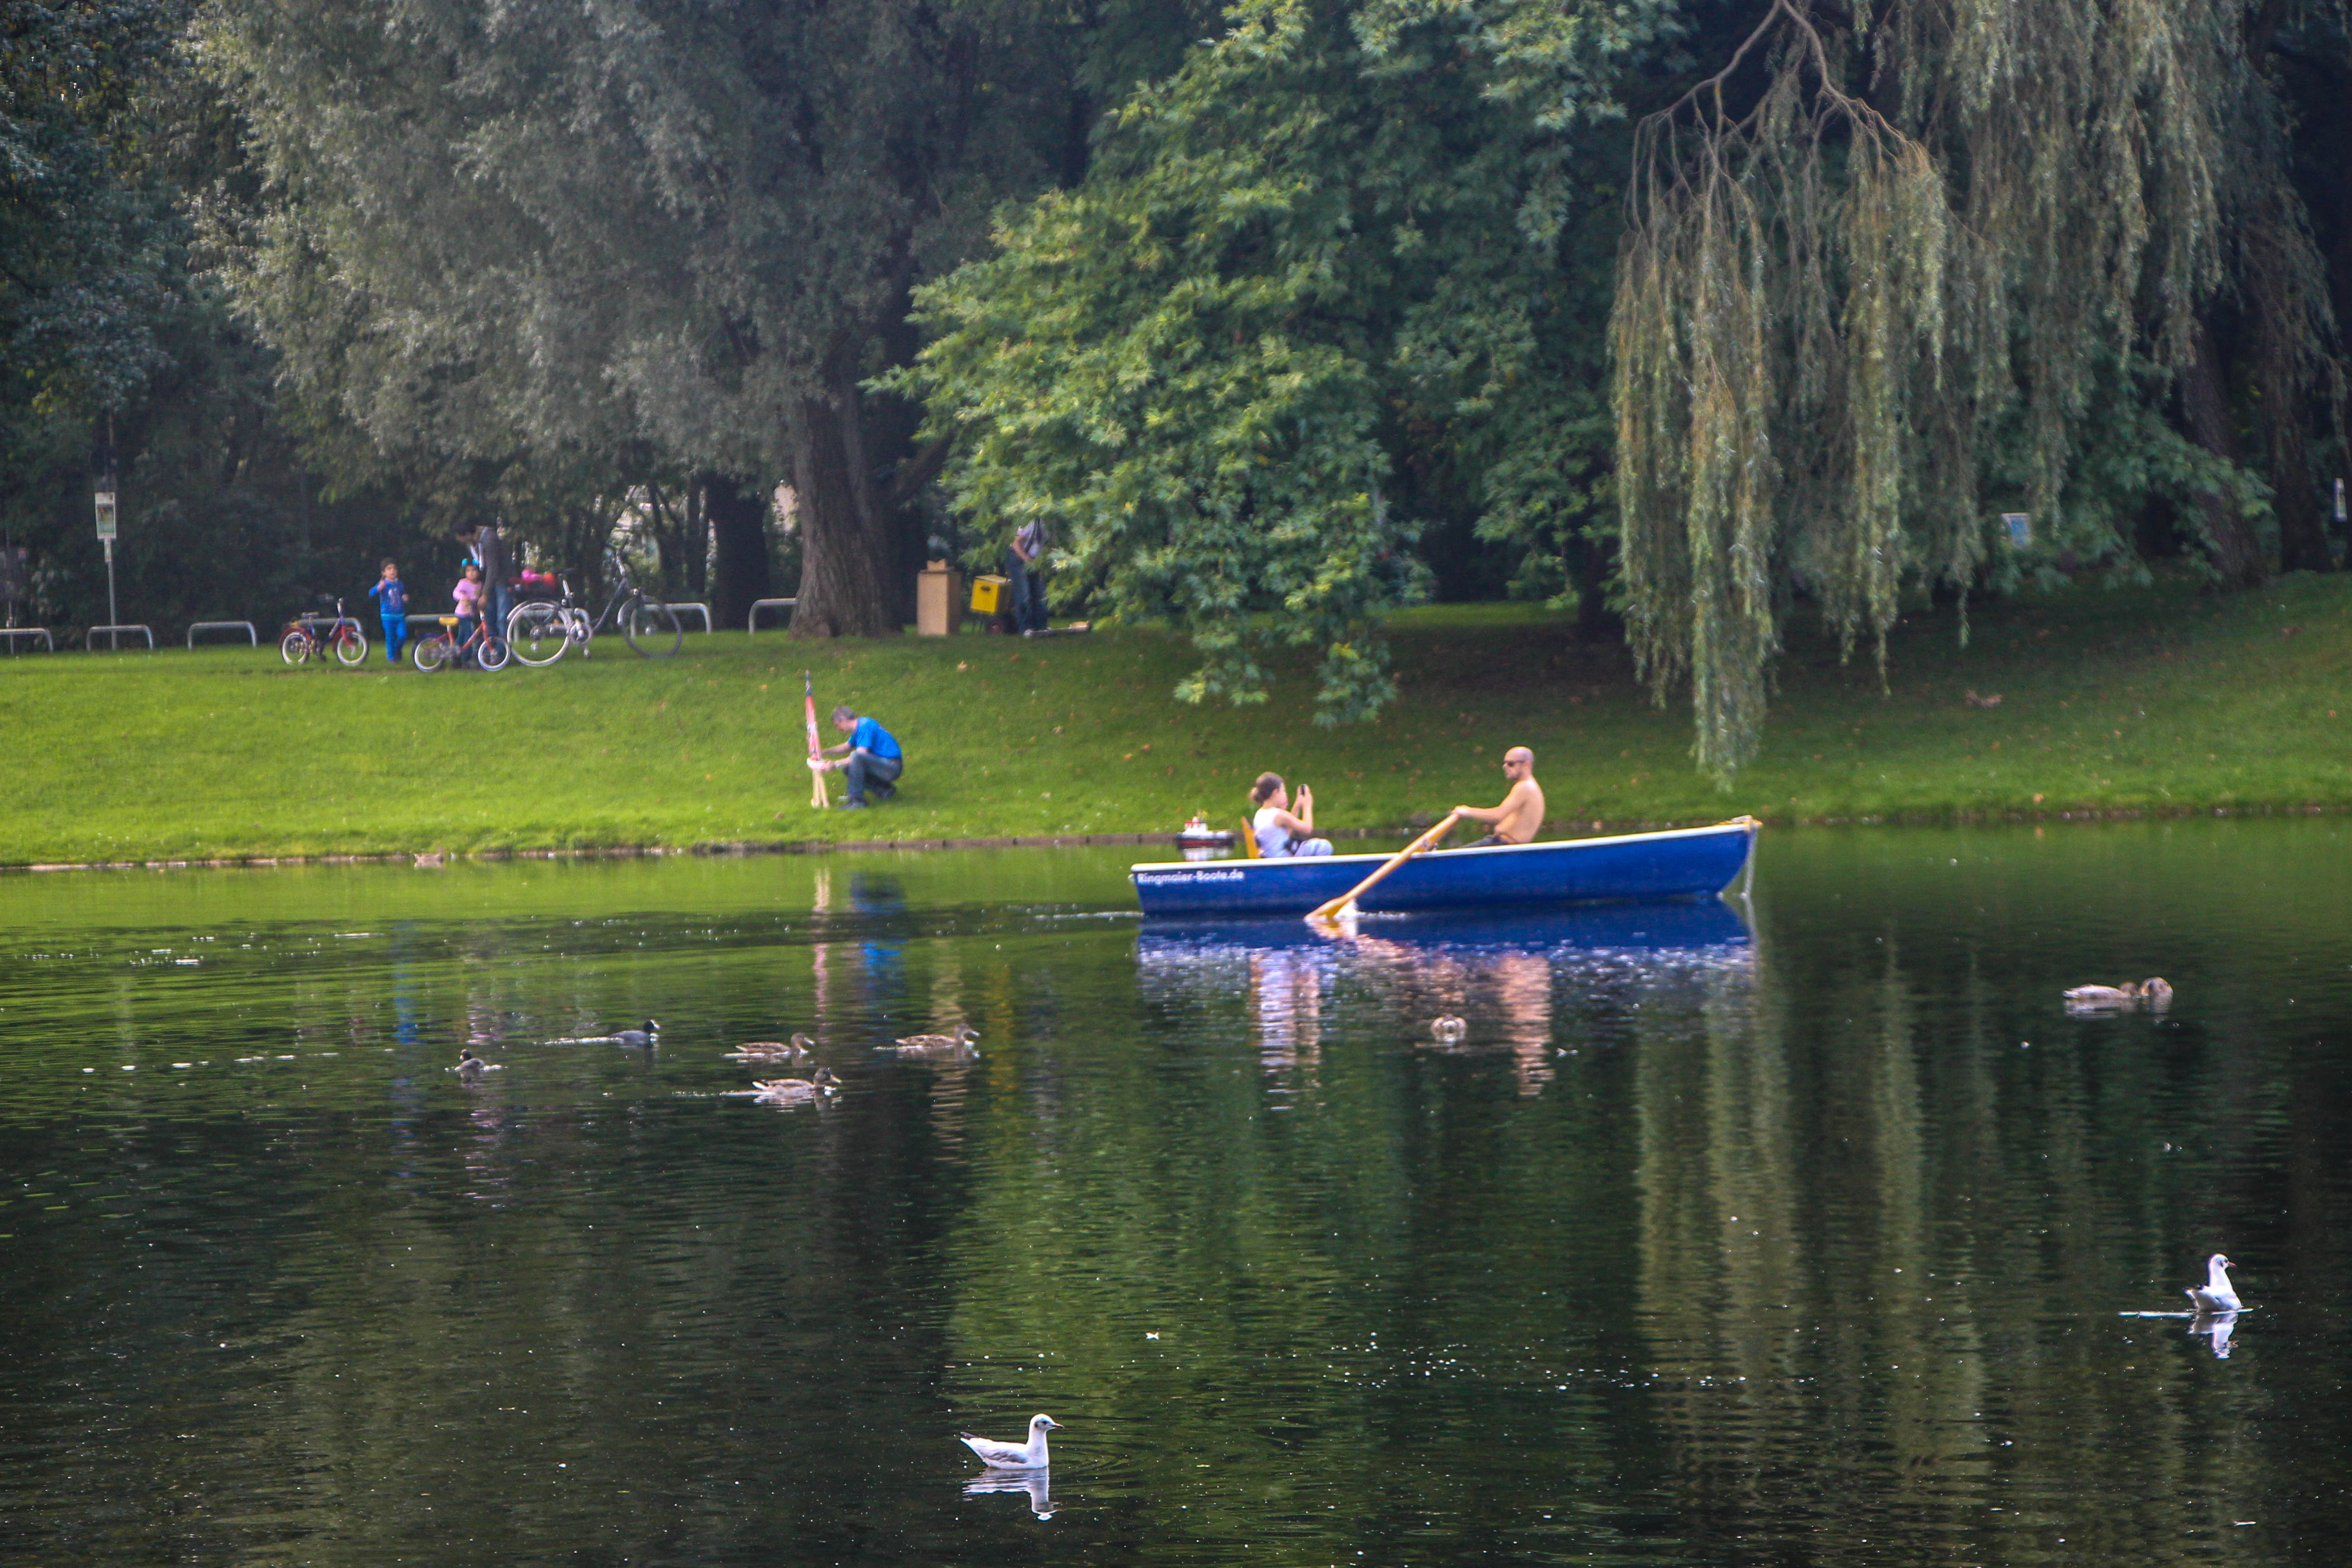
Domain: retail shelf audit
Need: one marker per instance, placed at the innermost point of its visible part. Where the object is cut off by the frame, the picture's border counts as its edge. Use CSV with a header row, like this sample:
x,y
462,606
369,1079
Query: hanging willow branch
x,y
1928,213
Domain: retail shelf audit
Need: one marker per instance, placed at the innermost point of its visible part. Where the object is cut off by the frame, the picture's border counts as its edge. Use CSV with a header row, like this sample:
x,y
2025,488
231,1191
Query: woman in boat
x,y
1280,834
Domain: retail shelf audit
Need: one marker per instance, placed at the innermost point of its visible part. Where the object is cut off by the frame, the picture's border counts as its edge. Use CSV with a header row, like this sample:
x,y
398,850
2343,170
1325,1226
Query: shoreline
x,y
745,847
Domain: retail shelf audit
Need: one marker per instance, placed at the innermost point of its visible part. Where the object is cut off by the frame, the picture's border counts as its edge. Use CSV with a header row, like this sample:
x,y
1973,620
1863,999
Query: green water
x,y
1807,1244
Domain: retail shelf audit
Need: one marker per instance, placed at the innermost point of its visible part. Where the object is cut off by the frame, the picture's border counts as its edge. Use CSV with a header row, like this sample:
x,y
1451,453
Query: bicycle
x,y
311,633
442,647
539,630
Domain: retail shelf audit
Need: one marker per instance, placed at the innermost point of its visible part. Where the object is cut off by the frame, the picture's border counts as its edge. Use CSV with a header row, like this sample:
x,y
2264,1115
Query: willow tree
x,y
1883,243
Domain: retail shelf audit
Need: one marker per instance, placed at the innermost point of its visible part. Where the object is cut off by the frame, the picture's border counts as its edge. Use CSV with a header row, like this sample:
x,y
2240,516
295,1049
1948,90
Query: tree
x,y
554,224
1888,257
1325,249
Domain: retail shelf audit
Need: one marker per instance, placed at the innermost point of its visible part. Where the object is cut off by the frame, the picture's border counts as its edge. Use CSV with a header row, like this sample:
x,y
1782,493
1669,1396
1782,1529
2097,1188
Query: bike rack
x,y
251,636
89,638
702,610
751,621
13,633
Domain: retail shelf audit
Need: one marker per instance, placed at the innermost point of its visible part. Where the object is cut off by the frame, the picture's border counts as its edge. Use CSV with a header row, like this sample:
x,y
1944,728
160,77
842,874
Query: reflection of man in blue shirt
x,y
874,760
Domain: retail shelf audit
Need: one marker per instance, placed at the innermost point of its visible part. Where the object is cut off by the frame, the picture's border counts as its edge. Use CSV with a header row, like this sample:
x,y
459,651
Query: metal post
x,y
113,616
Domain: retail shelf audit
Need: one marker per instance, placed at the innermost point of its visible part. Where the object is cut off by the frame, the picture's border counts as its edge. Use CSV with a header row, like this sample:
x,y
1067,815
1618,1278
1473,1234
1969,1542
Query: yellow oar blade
x,y
1326,912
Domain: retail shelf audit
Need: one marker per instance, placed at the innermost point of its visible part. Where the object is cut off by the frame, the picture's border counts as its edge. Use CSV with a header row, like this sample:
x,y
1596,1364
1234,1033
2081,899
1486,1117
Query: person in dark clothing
x,y
489,551
873,761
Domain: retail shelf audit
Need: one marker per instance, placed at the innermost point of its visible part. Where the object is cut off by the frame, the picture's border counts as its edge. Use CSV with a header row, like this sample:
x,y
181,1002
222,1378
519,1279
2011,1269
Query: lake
x,y
1799,1232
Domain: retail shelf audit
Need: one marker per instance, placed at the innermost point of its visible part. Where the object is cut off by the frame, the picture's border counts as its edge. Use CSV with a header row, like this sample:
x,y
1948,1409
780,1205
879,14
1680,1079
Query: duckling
x,y
647,1036
2216,1295
1447,1028
774,1050
795,1091
470,1068
959,1044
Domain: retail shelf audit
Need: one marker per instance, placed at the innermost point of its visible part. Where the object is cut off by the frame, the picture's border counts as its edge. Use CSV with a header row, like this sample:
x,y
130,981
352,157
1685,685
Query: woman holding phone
x,y
1281,834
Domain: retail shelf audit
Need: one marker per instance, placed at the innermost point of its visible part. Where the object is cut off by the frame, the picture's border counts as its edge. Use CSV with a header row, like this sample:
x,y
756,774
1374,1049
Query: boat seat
x,y
1249,840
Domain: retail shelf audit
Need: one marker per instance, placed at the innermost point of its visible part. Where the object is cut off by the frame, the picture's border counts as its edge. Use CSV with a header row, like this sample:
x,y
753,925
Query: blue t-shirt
x,y
874,738
394,595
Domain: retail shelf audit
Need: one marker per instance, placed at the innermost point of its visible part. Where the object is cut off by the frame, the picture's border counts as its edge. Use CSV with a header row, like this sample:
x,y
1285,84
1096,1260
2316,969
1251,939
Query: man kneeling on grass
x,y
874,760
1521,813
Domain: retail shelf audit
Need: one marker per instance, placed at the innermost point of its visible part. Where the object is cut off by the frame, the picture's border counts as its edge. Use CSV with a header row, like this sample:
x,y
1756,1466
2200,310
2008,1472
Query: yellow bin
x,y
988,595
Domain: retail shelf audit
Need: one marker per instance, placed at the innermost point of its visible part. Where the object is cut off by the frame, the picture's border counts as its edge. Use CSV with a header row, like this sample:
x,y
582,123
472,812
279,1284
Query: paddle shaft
x,y
816,752
1326,910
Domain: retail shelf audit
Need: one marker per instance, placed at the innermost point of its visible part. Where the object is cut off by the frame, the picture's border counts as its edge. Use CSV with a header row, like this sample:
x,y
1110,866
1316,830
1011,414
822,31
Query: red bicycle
x,y
308,635
442,647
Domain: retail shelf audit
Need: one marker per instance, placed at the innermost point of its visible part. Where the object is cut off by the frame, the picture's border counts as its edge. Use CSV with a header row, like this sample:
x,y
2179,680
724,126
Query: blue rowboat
x,y
1680,863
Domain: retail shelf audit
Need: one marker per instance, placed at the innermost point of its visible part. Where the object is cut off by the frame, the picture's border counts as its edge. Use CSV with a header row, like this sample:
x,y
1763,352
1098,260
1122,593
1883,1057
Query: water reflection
x,y
1037,1485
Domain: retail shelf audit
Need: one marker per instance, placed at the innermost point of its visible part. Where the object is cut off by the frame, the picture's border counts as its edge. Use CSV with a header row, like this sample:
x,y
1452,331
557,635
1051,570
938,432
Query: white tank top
x,y
1272,838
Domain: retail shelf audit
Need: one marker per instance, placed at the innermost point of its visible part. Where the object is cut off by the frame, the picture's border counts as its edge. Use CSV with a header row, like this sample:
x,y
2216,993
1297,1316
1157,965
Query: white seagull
x,y
1029,1455
2216,1295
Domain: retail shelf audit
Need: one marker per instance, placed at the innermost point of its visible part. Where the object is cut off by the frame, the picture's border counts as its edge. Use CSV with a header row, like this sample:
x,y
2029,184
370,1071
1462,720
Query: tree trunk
x,y
2303,536
737,514
841,593
2204,398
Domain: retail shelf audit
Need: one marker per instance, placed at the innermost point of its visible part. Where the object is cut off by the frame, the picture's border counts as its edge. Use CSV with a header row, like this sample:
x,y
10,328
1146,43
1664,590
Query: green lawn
x,y
2159,700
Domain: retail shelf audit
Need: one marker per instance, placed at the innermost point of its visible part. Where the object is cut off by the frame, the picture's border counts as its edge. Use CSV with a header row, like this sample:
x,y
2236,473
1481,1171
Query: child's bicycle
x,y
311,633
442,647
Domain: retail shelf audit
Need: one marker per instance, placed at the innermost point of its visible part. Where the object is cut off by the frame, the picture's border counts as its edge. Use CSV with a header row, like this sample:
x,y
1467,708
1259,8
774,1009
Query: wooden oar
x,y
1330,910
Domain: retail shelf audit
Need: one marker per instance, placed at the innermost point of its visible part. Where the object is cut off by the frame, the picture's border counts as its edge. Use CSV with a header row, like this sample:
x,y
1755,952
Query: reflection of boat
x,y
1689,863
1679,925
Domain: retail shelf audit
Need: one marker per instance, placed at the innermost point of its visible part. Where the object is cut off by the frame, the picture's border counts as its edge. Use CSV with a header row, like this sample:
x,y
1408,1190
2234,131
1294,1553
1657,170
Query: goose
x,y
2216,1295
470,1068
1446,1027
1030,1456
794,1091
956,1045
774,1050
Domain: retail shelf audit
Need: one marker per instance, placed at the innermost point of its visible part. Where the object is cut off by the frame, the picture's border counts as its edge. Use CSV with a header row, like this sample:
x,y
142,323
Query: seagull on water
x,y
1030,1456
2216,1295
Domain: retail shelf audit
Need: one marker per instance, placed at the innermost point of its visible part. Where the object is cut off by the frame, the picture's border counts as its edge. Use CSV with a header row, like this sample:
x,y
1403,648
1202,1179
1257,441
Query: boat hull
x,y
1689,862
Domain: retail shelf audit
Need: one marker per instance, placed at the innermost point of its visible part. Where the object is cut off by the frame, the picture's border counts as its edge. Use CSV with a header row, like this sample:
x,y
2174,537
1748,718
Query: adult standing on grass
x,y
392,609
1521,813
1281,834
873,759
490,548
1024,564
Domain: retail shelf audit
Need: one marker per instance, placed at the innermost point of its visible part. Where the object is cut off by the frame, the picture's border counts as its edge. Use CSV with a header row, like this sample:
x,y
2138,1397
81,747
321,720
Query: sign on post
x,y
106,515
2018,526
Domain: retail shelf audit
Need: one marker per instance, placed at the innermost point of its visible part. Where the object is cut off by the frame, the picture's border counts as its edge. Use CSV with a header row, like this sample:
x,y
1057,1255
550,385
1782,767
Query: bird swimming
x,y
1446,1027
798,1050
794,1091
1030,1456
959,1044
2215,1295
2156,992
470,1068
644,1037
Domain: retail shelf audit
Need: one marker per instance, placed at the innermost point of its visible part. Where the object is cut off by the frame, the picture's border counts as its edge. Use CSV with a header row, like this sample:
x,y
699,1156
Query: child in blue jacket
x,y
392,605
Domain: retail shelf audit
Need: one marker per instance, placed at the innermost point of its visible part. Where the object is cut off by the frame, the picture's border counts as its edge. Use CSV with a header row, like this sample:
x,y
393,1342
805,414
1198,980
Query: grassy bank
x,y
2161,699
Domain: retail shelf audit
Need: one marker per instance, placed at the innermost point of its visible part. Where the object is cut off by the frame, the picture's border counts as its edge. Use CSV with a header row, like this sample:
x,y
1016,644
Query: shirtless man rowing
x,y
1521,813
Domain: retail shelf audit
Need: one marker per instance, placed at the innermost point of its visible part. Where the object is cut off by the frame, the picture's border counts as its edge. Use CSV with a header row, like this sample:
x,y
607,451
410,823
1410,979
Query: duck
x,y
798,1050
436,858
2124,995
647,1036
956,1045
1446,1027
2215,1295
794,1091
470,1068
1029,1455
2156,991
